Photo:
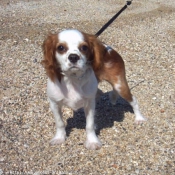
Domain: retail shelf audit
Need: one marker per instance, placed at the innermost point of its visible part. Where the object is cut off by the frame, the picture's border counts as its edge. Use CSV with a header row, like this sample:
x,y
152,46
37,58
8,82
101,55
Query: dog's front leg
x,y
92,141
60,135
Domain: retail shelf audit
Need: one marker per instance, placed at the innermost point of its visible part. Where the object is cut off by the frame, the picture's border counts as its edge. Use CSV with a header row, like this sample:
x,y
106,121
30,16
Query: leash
x,y
113,18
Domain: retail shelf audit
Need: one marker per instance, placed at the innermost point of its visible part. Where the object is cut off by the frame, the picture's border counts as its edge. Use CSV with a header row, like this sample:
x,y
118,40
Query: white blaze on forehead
x,y
71,39
71,36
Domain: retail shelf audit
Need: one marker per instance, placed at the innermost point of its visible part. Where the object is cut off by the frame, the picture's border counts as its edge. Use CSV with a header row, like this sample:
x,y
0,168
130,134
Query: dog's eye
x,y
61,48
84,48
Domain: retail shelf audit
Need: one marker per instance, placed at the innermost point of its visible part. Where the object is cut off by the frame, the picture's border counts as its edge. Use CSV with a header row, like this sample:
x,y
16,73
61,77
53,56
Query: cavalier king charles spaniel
x,y
75,62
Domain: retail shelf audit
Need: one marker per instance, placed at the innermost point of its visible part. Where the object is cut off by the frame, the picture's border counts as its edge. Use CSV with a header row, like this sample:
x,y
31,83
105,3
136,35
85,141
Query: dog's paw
x,y
140,120
59,138
57,141
93,145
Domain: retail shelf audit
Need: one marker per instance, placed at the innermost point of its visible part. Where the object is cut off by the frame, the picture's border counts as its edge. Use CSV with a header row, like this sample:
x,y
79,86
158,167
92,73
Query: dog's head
x,y
70,52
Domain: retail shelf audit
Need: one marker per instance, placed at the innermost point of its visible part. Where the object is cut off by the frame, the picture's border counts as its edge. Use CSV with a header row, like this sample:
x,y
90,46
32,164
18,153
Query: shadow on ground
x,y
106,114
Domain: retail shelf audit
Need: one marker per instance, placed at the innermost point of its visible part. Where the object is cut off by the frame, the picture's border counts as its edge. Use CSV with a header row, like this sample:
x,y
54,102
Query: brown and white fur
x,y
75,62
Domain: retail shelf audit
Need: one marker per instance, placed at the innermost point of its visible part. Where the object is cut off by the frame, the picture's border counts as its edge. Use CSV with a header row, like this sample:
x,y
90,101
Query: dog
x,y
75,62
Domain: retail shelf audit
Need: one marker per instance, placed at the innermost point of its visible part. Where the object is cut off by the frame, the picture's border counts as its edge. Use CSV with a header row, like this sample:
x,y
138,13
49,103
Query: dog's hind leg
x,y
121,87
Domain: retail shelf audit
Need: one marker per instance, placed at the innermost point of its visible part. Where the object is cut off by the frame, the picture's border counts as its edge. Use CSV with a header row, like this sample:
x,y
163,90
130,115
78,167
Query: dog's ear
x,y
49,62
97,51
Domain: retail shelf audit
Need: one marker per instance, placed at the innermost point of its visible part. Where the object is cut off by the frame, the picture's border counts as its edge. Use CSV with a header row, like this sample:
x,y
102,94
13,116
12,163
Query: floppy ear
x,y
97,51
49,62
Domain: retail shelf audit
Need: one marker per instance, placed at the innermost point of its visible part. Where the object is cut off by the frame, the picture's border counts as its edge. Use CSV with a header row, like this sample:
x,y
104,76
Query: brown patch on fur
x,y
96,51
49,62
113,71
116,68
125,91
108,65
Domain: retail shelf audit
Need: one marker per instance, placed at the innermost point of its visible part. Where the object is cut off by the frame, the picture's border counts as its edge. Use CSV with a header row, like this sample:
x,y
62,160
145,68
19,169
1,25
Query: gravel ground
x,y
144,35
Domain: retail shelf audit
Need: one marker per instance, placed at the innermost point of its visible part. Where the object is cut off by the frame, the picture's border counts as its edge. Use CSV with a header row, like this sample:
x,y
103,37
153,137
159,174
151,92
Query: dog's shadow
x,y
105,114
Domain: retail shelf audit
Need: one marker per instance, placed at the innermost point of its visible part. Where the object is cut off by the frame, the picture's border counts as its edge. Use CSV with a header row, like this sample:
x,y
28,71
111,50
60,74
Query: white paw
x,y
93,144
59,138
140,120
57,141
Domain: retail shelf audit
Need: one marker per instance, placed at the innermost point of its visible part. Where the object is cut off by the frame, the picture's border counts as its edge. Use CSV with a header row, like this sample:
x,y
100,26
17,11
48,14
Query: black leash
x,y
113,18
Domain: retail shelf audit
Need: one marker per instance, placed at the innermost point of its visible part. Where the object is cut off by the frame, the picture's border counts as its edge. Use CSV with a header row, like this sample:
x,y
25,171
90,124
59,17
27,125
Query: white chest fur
x,y
72,91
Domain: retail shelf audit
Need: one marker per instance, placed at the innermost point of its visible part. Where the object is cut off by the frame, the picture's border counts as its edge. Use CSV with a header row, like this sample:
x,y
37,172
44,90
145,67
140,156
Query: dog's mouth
x,y
75,71
74,68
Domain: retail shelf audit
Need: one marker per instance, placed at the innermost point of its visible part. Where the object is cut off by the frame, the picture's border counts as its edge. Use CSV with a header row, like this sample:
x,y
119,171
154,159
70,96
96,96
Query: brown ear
x,y
49,62
97,51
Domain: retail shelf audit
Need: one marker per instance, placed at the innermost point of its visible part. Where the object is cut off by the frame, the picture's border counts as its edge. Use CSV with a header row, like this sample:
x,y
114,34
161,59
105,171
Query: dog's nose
x,y
73,58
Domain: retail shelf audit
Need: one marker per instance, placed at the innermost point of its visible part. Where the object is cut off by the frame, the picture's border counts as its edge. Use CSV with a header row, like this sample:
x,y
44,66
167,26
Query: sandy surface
x,y
145,37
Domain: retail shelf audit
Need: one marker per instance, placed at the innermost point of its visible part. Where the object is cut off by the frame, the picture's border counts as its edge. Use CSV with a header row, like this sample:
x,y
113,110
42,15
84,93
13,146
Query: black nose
x,y
73,58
